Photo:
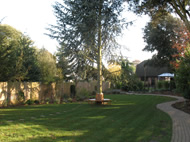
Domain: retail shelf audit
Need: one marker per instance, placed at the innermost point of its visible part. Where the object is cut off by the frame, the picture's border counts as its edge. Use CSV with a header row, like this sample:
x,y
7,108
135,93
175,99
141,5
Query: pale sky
x,y
33,16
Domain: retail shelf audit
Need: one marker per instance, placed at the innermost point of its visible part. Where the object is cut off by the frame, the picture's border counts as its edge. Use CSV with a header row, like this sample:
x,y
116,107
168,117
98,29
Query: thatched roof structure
x,y
144,69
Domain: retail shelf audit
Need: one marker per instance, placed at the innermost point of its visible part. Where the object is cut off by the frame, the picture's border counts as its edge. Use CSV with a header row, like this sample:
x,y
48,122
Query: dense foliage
x,y
182,74
182,62
17,56
160,35
47,66
130,81
113,74
21,61
122,75
180,44
158,8
84,29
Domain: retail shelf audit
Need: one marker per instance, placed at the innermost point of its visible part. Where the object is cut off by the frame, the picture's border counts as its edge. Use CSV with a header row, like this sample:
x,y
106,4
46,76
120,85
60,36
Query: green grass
x,y
130,118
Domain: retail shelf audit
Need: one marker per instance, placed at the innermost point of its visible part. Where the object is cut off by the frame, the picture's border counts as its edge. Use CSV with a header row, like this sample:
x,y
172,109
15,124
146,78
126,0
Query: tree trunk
x,y
99,95
99,65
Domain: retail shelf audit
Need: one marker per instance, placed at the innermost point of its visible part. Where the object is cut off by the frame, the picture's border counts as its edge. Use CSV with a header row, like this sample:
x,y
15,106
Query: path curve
x,y
180,120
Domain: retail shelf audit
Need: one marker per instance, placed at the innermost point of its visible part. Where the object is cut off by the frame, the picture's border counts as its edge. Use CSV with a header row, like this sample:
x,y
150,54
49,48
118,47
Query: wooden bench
x,y
104,101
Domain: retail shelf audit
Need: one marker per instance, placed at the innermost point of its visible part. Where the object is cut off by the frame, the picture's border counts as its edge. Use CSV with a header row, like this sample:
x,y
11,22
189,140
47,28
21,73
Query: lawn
x,y
130,118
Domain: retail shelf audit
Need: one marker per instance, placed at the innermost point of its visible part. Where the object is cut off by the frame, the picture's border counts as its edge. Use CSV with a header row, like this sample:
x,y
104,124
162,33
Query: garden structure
x,y
104,101
149,73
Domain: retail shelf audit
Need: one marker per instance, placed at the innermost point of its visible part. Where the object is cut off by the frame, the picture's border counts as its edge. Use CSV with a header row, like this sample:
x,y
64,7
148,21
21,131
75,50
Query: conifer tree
x,y
85,28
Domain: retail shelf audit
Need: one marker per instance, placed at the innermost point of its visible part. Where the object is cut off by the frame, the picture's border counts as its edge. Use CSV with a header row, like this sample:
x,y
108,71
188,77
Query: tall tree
x,y
29,59
160,35
182,77
9,58
47,65
85,28
17,56
63,65
159,7
180,44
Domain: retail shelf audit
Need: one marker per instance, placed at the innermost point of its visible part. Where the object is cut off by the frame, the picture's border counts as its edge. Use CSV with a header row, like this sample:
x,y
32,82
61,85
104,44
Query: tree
x,y
121,73
86,28
17,56
182,62
180,44
157,8
114,74
47,65
63,65
9,45
182,77
29,59
160,36
127,72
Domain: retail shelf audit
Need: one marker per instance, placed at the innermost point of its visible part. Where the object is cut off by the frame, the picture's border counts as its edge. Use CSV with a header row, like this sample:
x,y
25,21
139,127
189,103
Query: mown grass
x,y
130,118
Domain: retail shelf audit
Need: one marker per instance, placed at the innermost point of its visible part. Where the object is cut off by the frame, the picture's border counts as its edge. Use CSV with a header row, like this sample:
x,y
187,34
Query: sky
x,y
32,17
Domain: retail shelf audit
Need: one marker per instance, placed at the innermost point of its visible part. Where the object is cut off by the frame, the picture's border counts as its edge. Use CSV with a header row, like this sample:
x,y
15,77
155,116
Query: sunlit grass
x,y
129,118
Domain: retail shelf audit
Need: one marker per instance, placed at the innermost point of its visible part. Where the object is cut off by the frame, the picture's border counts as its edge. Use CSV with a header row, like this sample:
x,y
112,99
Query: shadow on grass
x,y
127,119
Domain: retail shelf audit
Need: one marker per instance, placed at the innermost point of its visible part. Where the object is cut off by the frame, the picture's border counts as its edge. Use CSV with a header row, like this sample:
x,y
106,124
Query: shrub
x,y
29,102
64,98
21,97
36,102
93,93
117,85
140,85
57,100
47,100
133,84
70,100
160,84
166,85
186,93
82,94
172,85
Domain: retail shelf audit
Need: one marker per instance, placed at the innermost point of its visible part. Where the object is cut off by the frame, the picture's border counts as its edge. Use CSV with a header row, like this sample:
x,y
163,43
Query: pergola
x,y
166,75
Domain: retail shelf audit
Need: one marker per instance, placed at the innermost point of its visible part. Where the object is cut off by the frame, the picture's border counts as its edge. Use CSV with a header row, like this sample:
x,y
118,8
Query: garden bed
x,y
183,106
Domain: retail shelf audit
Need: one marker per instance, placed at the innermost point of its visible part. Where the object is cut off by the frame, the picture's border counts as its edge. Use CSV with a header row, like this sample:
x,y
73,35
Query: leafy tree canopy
x,y
47,65
29,59
157,8
17,56
160,36
182,74
9,42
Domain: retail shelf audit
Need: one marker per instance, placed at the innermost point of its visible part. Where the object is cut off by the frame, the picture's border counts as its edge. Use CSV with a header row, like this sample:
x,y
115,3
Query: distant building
x,y
148,73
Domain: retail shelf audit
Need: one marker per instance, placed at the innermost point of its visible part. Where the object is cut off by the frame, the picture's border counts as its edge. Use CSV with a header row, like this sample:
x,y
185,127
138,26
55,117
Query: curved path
x,y
180,120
